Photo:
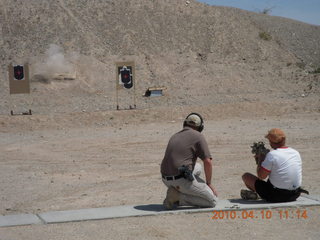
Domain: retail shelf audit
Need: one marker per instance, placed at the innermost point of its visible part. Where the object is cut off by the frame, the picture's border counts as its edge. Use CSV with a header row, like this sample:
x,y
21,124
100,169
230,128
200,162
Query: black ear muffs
x,y
201,127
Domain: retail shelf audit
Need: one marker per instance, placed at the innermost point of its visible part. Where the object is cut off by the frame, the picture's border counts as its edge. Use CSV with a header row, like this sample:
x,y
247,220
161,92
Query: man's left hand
x,y
213,189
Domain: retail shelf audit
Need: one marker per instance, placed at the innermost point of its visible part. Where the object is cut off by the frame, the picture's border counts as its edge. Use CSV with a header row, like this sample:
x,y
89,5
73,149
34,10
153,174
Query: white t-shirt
x,y
285,167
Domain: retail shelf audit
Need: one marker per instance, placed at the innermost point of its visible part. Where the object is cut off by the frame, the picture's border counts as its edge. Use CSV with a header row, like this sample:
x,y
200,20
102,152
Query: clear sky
x,y
302,10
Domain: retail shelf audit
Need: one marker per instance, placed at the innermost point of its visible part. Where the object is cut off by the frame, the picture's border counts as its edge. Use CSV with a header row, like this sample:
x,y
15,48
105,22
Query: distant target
x,y
18,72
125,76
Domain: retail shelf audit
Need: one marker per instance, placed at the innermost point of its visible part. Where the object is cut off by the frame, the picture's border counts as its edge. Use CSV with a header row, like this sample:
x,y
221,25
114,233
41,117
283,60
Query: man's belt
x,y
170,178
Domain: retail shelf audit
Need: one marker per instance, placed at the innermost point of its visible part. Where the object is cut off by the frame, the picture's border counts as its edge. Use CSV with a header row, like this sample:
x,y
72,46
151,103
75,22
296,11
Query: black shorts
x,y
271,194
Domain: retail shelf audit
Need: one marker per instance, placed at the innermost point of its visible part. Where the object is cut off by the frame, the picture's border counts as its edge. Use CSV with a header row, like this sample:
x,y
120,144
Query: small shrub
x,y
266,11
265,36
316,71
301,65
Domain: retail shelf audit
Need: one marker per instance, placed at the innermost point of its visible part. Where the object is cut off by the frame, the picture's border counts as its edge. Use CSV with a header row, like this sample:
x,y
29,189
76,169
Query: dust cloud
x,y
56,64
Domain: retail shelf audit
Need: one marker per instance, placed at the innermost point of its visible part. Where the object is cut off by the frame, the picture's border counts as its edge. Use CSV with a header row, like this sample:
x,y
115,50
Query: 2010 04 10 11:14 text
x,y
261,214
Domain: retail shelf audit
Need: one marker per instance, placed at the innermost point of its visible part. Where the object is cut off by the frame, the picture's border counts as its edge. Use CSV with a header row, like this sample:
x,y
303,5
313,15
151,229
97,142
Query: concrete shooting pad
x,y
145,210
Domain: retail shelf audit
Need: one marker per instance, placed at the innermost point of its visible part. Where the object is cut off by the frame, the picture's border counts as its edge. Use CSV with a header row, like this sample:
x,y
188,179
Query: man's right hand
x,y
213,189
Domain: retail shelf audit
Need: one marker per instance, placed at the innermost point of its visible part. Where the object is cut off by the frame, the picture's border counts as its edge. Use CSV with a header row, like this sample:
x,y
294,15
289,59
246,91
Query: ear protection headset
x,y
199,128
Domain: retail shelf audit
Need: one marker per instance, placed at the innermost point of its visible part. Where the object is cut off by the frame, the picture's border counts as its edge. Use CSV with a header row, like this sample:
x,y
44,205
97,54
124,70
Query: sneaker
x,y
248,195
171,199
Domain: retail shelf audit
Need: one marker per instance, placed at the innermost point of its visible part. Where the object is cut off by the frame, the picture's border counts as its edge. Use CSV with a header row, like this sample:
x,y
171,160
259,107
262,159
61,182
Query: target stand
x,y
125,85
19,85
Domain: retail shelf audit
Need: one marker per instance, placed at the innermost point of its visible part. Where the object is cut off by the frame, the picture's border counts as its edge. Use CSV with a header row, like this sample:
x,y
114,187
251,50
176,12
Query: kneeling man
x,y
283,167
180,172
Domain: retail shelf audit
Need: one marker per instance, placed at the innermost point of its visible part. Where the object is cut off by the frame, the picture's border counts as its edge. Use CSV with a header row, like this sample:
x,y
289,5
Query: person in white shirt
x,y
282,166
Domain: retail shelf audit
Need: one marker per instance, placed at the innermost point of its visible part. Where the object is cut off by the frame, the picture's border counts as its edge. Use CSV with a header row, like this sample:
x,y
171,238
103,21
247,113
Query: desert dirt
x,y
77,151
52,165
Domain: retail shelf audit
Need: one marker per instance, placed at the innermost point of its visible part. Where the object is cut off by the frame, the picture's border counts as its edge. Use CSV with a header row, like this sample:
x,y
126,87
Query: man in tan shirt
x,y
183,150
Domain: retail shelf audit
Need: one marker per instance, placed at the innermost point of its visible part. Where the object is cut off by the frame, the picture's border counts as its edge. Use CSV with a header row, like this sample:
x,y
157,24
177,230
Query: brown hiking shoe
x,y
248,195
171,199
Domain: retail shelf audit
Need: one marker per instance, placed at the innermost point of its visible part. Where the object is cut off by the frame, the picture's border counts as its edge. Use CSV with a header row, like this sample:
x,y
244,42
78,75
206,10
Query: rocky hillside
x,y
202,54
299,38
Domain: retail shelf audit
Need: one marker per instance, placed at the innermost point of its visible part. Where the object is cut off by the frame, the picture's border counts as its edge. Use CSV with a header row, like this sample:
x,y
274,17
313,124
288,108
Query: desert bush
x,y
301,65
316,71
265,36
266,11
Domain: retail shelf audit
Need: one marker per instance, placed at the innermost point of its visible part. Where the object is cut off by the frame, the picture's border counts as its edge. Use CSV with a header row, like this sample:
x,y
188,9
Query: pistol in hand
x,y
259,151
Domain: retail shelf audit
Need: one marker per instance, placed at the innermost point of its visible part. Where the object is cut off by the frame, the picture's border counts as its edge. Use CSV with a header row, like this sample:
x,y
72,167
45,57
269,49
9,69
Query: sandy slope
x,y
202,55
